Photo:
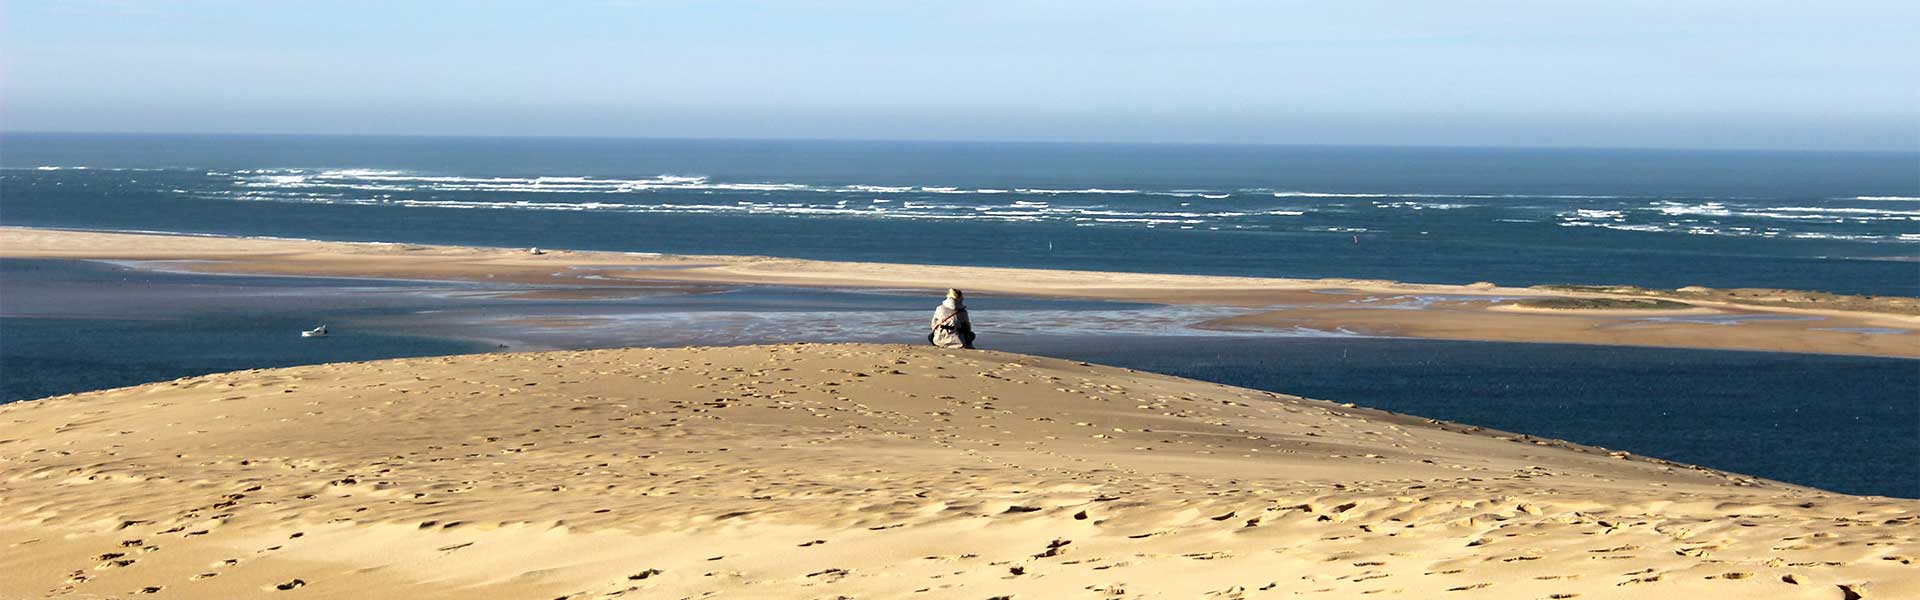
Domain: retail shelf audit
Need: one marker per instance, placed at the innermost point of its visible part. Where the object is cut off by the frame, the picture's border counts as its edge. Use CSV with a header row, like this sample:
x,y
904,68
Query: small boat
x,y
320,331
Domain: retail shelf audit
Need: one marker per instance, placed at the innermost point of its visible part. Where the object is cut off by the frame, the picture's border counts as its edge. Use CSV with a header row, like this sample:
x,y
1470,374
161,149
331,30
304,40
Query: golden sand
x,y
867,471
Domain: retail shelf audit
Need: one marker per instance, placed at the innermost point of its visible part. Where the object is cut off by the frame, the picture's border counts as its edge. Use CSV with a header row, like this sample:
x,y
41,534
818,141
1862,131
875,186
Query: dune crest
x,y
867,471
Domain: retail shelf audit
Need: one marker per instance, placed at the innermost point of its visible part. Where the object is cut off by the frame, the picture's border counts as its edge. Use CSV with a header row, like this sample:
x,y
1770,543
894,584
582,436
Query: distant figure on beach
x,y
951,327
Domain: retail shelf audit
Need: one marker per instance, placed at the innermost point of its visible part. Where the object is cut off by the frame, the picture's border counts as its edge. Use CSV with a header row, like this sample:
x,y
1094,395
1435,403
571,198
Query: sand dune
x,y
867,471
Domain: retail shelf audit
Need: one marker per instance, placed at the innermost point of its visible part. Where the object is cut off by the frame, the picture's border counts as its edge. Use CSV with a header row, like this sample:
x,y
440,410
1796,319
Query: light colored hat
x,y
953,293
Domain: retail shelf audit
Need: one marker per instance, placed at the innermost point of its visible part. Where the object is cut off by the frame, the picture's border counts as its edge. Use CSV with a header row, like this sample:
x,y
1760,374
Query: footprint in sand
x,y
1054,548
115,563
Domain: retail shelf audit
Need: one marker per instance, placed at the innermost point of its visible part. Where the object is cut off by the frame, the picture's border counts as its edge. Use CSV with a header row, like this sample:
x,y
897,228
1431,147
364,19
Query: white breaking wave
x,y
334,187
1809,213
1329,195
1810,235
390,180
1710,230
1863,211
1422,205
1085,191
1710,209
86,168
356,178
1186,208
878,189
349,178
881,209
1290,194
1719,219
1619,226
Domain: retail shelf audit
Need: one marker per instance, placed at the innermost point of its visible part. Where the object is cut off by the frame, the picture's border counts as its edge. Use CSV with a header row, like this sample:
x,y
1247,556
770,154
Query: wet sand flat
x,y
1884,326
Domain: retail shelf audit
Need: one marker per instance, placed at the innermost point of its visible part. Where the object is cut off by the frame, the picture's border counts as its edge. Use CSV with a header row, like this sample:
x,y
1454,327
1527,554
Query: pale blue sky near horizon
x,y
1624,73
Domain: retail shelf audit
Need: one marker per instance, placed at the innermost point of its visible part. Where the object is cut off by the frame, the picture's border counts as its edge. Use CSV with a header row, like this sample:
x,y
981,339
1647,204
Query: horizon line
x,y
5,132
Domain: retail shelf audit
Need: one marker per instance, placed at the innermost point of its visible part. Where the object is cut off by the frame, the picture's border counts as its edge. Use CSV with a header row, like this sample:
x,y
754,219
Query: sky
x,y
1836,75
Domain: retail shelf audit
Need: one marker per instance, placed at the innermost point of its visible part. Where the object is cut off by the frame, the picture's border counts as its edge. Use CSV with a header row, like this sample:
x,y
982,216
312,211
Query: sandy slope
x,y
870,472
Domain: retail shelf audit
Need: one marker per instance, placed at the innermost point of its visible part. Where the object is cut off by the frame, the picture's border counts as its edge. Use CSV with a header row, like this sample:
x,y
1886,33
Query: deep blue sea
x,y
1842,423
1843,222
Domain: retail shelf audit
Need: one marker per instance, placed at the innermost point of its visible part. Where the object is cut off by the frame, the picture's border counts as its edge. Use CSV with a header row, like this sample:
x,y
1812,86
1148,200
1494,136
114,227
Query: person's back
x,y
951,327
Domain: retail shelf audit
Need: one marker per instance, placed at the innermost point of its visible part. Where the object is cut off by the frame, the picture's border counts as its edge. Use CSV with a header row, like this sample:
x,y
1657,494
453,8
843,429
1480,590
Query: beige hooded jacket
x,y
951,328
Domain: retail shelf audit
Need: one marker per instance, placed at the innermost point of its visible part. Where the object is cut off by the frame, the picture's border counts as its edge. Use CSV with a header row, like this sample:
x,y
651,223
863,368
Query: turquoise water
x,y
1843,222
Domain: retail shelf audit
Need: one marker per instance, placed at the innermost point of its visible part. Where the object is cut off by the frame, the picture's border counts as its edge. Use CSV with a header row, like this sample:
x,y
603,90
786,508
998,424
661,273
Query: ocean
x,y
1831,221
1840,222
1843,423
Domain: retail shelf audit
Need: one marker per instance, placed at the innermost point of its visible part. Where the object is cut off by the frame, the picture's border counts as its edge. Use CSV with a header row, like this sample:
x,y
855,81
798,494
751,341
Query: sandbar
x,y
1767,320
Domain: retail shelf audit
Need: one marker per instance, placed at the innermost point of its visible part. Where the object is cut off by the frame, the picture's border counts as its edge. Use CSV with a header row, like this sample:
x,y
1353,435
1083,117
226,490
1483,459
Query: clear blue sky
x,y
1668,73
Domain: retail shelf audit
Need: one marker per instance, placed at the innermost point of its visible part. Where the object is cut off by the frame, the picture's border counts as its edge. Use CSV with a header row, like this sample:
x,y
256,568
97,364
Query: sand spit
x,y
867,471
1816,323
